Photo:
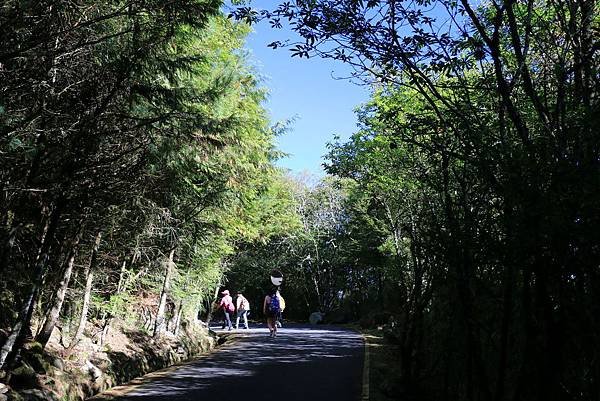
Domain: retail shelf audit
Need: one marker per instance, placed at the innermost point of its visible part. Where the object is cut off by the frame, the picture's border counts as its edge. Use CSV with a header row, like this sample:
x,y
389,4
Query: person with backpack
x,y
243,310
272,309
228,307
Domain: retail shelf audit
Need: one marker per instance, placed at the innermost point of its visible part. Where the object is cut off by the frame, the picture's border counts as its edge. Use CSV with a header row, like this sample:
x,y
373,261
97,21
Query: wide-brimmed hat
x,y
226,292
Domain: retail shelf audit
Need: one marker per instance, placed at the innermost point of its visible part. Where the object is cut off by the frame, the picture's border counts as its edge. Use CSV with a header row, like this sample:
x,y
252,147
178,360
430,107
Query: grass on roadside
x,y
383,358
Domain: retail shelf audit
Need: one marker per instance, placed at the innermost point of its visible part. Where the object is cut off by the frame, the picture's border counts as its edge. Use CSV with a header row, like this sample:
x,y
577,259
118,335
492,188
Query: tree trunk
x,y
89,279
120,289
29,303
121,283
84,310
8,245
54,312
105,329
178,320
507,307
160,315
212,301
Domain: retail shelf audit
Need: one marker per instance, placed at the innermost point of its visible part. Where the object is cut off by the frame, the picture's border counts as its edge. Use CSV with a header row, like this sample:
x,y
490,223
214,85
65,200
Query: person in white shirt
x,y
243,310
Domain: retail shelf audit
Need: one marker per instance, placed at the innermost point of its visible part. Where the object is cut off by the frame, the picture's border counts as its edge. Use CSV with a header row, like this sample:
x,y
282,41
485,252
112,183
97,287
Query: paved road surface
x,y
304,363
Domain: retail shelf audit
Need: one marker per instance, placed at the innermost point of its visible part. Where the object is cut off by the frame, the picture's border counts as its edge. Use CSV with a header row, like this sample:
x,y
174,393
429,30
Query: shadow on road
x,y
302,363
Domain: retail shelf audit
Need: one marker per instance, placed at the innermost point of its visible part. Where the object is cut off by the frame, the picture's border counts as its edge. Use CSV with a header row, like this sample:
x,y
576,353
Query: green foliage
x,y
142,122
478,160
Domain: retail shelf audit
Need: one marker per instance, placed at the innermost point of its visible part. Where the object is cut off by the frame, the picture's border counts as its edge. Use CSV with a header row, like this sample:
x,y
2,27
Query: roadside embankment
x,y
57,373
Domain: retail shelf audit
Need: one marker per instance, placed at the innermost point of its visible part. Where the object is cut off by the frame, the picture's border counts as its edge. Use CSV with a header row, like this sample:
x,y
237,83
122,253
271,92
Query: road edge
x,y
366,371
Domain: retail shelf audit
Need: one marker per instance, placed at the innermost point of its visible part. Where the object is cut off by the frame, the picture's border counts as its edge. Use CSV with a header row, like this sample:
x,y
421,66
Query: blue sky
x,y
305,89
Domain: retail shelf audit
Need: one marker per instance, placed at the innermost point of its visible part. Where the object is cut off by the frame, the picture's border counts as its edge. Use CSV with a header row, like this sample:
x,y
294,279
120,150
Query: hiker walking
x,y
243,310
272,309
228,307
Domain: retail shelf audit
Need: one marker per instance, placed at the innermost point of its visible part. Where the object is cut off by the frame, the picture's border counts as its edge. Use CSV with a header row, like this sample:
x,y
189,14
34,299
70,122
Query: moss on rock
x,y
69,376
23,377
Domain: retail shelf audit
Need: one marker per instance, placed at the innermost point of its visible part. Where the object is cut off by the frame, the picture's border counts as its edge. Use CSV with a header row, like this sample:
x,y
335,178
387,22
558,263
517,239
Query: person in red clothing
x,y
228,307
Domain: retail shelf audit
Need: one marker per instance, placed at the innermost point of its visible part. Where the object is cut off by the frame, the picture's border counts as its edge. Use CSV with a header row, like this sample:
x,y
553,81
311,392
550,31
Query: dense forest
x,y
135,153
138,177
467,205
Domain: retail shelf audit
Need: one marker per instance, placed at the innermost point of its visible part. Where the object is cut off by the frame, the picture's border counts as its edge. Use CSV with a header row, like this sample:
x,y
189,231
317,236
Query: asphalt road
x,y
304,363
